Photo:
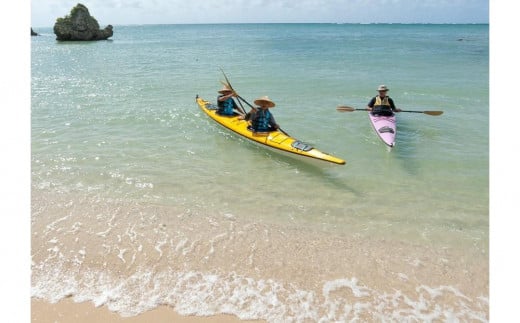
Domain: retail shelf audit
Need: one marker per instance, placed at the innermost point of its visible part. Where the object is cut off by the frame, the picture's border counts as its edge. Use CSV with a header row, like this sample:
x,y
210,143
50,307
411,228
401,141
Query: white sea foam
x,y
143,185
341,283
197,293
121,255
158,247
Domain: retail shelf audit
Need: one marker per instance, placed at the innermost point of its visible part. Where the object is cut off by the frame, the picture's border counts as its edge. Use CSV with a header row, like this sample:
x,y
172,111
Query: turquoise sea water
x,y
115,125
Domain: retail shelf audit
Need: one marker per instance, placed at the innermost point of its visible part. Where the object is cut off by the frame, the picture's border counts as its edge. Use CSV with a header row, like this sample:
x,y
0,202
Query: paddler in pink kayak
x,y
382,104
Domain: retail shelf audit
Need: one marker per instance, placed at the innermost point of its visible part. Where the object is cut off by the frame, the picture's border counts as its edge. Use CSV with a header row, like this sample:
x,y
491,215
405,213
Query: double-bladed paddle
x,y
228,84
346,108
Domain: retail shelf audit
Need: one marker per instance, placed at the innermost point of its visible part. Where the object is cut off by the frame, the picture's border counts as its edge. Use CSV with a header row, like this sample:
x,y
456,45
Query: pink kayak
x,y
385,127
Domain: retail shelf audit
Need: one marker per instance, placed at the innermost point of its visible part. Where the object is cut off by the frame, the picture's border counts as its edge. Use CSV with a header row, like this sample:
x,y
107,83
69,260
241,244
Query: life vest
x,y
261,120
382,107
225,107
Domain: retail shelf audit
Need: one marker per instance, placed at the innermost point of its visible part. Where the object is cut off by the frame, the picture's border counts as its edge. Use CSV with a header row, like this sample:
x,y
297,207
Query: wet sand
x,y
84,246
67,311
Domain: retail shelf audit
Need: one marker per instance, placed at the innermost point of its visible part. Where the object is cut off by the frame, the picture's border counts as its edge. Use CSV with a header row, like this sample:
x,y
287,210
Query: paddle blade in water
x,y
434,113
344,108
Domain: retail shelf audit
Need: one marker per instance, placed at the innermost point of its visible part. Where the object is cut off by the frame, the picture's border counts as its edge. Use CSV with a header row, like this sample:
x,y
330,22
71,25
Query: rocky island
x,y
80,25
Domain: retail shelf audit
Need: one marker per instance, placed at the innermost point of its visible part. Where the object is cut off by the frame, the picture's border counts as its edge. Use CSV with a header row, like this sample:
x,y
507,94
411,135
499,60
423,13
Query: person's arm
x,y
273,123
223,98
370,104
248,116
392,105
235,105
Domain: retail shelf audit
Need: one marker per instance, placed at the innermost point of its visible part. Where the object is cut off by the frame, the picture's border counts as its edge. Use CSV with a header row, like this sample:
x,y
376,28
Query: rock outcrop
x,y
33,33
80,25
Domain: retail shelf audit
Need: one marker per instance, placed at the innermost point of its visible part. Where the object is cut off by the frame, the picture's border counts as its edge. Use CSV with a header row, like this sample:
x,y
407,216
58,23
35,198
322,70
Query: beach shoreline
x,y
67,310
219,263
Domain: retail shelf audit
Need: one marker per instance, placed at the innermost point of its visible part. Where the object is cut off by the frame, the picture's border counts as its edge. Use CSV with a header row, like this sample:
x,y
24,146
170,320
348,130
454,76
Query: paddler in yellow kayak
x,y
262,120
225,102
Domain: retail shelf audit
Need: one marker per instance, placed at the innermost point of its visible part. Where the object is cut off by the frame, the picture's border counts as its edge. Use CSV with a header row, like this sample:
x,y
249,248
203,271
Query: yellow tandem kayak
x,y
275,140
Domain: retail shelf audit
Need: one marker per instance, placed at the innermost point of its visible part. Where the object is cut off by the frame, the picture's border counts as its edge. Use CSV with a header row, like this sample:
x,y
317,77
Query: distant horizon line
x,y
295,23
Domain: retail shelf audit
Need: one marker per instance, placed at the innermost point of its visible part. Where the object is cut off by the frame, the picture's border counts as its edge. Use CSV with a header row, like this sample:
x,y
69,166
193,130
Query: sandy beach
x,y
69,311
245,267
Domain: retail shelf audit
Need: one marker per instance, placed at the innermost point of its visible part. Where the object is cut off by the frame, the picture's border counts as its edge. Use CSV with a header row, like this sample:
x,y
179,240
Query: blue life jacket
x,y
225,107
261,121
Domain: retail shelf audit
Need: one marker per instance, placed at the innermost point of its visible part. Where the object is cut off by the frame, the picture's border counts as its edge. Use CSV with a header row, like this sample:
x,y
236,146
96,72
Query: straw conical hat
x,y
265,101
224,89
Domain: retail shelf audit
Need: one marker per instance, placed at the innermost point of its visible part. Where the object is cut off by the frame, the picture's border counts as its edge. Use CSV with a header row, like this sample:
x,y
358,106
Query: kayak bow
x,y
385,128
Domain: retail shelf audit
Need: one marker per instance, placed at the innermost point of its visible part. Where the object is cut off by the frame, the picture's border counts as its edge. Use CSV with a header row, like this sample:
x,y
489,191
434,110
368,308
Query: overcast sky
x,y
119,12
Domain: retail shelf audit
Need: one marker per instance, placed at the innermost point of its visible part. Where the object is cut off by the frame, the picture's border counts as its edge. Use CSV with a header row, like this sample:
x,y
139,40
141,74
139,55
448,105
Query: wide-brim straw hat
x,y
382,87
264,101
225,89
